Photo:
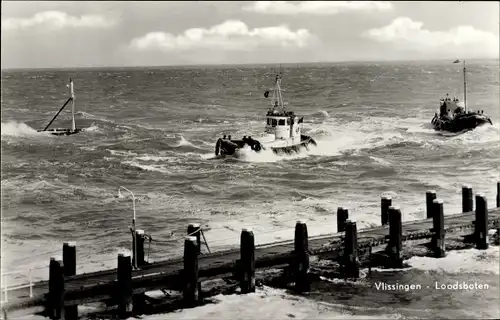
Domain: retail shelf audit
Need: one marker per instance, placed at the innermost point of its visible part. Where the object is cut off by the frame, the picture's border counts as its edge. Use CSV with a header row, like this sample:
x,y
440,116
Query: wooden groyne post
x,y
55,301
190,272
247,261
429,197
395,244
481,224
498,194
467,199
69,262
350,256
342,216
386,202
124,287
301,257
437,241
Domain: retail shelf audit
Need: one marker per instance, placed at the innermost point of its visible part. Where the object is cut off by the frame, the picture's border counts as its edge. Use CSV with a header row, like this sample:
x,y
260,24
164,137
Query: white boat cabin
x,y
284,125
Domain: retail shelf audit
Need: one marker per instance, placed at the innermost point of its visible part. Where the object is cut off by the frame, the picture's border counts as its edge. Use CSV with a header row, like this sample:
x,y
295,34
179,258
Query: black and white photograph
x,y
250,160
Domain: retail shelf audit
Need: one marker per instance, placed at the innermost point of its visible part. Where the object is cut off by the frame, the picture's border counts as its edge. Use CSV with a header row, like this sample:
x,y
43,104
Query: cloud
x,y
316,7
56,20
405,31
230,35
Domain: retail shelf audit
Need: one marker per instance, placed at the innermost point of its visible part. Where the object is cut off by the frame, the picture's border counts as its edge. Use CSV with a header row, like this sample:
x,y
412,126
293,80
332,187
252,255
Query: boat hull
x,y
460,123
62,131
226,147
305,141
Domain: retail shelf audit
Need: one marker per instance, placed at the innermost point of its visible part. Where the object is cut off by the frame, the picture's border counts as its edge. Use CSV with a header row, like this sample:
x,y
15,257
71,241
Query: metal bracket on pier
x,y
205,240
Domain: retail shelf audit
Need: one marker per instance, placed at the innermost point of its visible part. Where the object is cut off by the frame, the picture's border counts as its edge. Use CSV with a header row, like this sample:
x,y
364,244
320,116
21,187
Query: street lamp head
x,y
120,195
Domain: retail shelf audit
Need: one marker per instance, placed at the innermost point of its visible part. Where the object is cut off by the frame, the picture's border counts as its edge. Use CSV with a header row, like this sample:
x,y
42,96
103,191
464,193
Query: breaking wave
x,y
18,129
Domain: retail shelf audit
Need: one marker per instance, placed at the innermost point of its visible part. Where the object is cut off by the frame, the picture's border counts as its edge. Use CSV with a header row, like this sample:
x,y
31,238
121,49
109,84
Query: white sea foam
x,y
279,226
461,261
92,128
265,303
184,142
153,158
86,115
246,154
121,152
20,129
157,168
325,113
381,161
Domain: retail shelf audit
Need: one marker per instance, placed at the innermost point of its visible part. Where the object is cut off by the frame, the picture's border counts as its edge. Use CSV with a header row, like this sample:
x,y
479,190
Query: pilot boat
x,y
282,134
454,117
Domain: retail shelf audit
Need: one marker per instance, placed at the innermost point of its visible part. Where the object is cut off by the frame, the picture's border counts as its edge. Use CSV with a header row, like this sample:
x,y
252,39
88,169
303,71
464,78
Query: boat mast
x,y
278,86
72,95
465,89
277,96
279,89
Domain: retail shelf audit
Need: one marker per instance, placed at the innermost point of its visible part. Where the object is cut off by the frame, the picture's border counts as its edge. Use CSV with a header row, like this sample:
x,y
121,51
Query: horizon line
x,y
243,64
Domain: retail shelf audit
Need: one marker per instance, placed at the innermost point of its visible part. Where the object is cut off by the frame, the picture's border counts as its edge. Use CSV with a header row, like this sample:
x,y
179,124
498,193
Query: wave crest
x,y
18,129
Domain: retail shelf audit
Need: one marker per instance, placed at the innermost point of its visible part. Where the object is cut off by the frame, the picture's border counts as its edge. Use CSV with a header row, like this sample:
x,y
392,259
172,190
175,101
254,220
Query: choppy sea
x,y
153,131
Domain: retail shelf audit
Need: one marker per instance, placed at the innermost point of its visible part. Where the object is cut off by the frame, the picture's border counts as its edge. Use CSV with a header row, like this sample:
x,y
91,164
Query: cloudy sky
x,y
77,34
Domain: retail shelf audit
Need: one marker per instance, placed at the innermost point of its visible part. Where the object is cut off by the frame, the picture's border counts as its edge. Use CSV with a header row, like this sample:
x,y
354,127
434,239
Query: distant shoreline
x,y
244,65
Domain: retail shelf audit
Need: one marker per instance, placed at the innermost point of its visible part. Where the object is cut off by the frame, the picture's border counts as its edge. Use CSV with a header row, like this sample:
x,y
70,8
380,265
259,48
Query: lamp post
x,y
134,247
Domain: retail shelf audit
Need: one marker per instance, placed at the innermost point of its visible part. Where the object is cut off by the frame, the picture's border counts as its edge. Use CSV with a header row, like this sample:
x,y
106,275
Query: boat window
x,y
275,122
282,122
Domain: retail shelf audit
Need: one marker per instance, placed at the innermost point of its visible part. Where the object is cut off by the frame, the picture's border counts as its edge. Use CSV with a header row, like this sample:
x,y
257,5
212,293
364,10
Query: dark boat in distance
x,y
454,117
282,135
65,131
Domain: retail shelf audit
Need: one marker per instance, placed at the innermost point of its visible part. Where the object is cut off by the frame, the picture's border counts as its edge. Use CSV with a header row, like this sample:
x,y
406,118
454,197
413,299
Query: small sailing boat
x,y
65,131
283,131
455,118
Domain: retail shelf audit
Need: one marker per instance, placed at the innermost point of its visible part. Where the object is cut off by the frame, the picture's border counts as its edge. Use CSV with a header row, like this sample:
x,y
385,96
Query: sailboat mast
x,y
465,89
72,95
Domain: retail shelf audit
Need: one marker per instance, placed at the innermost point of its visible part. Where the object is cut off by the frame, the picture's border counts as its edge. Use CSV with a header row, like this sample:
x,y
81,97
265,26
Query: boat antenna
x,y
465,89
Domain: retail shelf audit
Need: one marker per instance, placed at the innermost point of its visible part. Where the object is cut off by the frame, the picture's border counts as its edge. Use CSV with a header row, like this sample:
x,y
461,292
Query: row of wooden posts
x,y
299,262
